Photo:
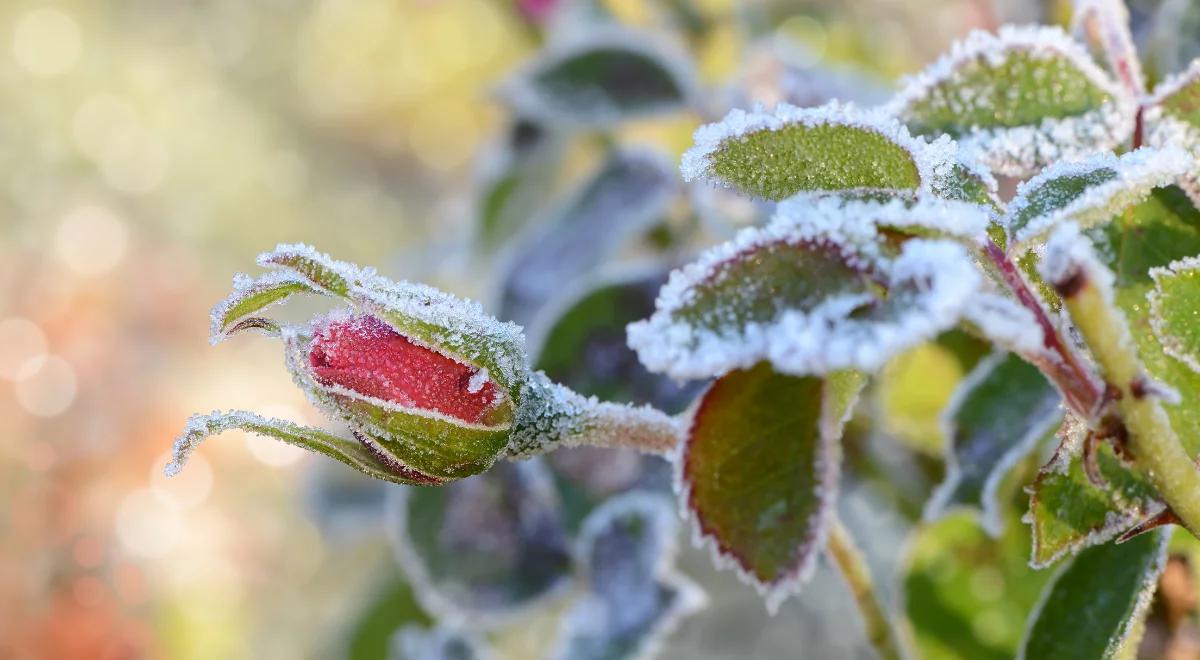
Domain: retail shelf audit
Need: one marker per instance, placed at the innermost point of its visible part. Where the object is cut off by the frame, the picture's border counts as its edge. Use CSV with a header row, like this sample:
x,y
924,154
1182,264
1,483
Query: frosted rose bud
x,y
408,403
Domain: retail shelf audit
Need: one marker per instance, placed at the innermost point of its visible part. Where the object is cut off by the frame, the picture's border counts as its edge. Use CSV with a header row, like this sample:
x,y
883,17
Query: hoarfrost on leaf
x,y
1018,100
1174,308
793,295
1106,23
1089,192
836,147
1172,119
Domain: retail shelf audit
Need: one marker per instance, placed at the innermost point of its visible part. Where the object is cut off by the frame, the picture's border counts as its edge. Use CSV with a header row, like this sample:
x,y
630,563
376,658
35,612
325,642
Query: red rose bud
x,y
415,408
366,356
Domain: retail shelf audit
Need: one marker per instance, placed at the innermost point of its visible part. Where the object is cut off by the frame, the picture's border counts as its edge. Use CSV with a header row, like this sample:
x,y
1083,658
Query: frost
x,y
250,296
710,139
1018,145
930,283
1176,335
849,221
587,79
1089,191
1171,122
1107,22
1005,322
552,416
634,598
442,642
477,381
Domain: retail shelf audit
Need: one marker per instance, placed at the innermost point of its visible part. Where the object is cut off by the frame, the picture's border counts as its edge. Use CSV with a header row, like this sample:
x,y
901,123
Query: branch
x,y
849,559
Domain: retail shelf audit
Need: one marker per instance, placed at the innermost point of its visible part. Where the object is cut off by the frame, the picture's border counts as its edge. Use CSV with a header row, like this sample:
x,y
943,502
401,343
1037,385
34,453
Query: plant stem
x,y
1151,439
880,632
1063,366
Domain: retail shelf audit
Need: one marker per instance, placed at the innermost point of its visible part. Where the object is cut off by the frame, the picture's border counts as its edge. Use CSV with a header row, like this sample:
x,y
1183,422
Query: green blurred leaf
x,y
1096,603
832,148
998,415
487,547
516,181
391,608
602,77
441,642
1175,308
1068,512
625,196
968,595
760,469
1018,100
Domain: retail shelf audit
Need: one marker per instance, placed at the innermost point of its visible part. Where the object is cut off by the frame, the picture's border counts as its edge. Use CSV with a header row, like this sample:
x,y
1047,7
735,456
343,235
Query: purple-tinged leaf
x,y
759,471
489,547
634,599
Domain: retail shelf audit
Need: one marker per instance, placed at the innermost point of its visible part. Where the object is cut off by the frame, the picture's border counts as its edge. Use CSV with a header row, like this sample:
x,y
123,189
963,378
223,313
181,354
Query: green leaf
x,y
1174,308
600,78
515,181
1088,192
251,296
584,346
634,598
827,149
1163,228
1172,118
1097,601
1068,512
625,196
967,594
1018,100
808,305
759,472
998,415
349,452
488,547
389,609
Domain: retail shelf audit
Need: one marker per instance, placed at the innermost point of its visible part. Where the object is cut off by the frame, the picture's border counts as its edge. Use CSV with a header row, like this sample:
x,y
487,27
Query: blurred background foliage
x,y
149,149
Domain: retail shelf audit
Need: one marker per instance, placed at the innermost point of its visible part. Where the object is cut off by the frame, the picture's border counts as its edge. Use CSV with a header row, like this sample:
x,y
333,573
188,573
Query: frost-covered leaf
x,y
634,599
967,594
1175,308
487,547
1095,604
807,297
1068,512
774,155
441,642
582,343
1088,192
998,415
625,196
515,178
854,218
1018,100
599,77
759,472
354,454
1163,228
251,296
1105,23
1172,118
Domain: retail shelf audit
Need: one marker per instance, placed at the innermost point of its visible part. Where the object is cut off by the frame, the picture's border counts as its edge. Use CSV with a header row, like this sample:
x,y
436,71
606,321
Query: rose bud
x,y
430,388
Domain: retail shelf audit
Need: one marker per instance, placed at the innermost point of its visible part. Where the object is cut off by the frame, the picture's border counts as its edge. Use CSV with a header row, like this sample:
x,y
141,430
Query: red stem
x,y
1062,365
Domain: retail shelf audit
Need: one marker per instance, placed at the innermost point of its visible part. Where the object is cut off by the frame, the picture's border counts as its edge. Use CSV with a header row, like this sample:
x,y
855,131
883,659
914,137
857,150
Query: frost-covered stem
x,y
1064,369
1152,441
880,632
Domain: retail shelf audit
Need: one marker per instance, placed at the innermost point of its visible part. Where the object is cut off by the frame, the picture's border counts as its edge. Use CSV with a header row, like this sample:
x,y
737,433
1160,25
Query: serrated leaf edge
x,y
1170,344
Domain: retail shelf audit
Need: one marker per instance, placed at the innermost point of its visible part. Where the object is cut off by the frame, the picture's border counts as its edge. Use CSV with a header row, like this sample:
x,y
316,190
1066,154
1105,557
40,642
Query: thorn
x,y
1165,517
